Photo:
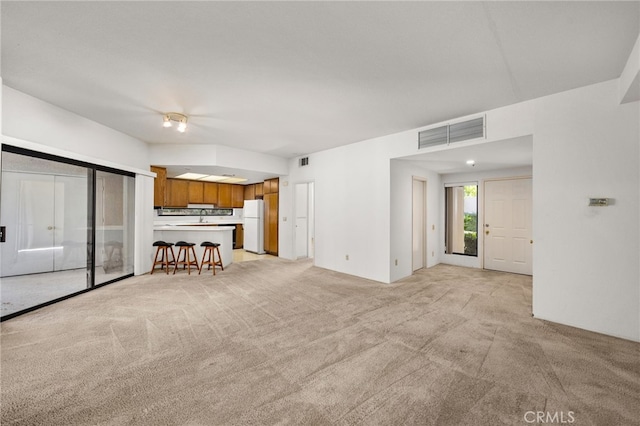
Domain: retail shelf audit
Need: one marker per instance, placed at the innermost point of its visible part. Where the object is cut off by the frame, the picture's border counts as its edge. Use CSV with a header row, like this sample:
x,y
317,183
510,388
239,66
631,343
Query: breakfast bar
x,y
198,233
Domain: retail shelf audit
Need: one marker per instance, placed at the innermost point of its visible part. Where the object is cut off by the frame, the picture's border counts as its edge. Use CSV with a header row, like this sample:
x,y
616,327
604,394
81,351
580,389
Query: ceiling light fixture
x,y
471,163
179,118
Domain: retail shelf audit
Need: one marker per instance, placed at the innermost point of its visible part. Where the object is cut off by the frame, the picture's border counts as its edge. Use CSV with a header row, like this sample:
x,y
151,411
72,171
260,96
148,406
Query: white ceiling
x,y
292,78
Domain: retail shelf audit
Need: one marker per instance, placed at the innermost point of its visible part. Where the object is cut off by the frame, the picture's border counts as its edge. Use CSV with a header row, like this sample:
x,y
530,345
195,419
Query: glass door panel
x,y
44,209
114,226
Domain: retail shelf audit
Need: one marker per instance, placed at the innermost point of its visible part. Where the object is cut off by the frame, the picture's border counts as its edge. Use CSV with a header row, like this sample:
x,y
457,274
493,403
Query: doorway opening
x,y
419,221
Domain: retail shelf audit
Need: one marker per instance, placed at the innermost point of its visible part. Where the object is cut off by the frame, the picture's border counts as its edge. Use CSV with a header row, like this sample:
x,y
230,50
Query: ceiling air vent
x,y
431,137
457,132
304,161
466,130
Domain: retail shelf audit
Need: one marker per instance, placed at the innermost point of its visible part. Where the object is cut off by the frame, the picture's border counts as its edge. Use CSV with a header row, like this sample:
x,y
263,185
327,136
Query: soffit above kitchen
x,y
292,78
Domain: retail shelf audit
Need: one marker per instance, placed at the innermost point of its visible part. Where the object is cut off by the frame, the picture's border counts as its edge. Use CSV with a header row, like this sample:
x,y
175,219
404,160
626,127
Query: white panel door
x,y
418,226
302,220
507,226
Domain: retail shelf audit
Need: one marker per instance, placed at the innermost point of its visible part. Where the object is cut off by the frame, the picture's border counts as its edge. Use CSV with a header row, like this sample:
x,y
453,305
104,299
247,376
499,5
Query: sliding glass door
x,y
67,227
114,226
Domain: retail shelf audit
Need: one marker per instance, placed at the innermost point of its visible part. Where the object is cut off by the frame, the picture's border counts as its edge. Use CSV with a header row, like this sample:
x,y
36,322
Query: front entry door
x,y
507,226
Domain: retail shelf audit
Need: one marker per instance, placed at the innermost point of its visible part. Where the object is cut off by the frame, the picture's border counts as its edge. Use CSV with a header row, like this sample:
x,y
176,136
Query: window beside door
x,y
461,219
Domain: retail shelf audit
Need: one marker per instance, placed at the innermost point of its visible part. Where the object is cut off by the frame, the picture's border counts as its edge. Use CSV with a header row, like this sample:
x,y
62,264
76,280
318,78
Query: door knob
x,y
49,228
486,232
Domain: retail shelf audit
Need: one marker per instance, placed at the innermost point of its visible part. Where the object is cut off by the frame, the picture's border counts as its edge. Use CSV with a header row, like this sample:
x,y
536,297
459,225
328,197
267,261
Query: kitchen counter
x,y
197,233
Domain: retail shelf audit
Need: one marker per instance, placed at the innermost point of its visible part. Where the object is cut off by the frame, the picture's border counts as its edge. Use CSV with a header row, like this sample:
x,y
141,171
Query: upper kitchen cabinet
x,y
177,193
159,186
210,193
250,192
259,191
224,195
237,196
196,192
271,186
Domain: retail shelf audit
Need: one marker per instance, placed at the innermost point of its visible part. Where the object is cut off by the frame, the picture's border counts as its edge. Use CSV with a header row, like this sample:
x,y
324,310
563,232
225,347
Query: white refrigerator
x,y
254,226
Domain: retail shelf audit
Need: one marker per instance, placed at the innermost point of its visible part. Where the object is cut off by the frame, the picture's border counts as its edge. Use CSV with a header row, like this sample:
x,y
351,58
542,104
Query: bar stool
x,y
186,250
164,249
210,252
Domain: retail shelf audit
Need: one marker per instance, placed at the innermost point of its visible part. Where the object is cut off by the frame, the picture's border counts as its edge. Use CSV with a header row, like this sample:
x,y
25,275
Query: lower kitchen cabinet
x,y
239,236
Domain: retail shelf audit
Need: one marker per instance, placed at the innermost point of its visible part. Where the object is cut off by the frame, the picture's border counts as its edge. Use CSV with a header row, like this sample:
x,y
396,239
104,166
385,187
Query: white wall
x,y
29,119
586,258
216,155
352,213
402,174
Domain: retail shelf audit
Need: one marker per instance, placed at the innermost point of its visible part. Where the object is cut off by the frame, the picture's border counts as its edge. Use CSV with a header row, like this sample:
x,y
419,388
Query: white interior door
x,y
304,211
507,226
418,226
302,220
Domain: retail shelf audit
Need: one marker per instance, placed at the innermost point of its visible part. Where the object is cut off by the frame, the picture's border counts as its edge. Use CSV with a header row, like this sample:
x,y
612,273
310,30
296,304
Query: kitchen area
x,y
242,218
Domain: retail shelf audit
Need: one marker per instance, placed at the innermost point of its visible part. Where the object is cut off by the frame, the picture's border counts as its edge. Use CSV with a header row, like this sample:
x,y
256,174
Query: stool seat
x,y
186,250
209,244
184,244
162,244
211,250
163,250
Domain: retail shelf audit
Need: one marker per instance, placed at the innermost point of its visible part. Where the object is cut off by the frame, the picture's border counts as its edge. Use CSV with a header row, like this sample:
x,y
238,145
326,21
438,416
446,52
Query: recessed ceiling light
x,y
212,178
471,163
192,176
234,180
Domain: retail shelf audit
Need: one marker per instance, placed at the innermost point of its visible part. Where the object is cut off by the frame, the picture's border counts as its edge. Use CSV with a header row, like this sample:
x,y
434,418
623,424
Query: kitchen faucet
x,y
201,216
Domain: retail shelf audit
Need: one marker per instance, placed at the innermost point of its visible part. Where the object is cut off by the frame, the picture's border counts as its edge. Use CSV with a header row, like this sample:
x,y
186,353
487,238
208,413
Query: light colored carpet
x,y
282,342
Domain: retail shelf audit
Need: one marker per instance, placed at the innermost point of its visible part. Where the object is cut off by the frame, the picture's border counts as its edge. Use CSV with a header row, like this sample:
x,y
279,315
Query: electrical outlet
x,y
433,227
432,254
346,257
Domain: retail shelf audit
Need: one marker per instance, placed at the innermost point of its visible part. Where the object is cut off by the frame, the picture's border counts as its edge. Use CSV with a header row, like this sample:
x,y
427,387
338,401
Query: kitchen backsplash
x,y
195,212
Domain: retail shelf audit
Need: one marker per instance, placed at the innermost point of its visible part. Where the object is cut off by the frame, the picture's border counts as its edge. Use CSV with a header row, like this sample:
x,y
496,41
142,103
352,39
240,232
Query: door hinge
x,y
3,231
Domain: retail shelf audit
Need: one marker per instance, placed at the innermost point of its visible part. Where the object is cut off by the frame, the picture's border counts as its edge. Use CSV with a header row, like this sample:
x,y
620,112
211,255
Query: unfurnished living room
x,y
340,213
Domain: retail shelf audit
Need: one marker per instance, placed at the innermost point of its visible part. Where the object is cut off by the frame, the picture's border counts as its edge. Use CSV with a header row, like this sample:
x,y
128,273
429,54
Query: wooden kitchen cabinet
x,y
239,236
196,192
224,196
177,193
210,193
271,186
159,186
271,224
237,196
250,192
259,190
